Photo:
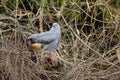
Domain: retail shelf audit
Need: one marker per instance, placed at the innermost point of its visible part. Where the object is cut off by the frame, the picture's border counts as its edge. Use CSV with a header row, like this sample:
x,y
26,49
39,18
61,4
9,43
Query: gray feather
x,y
49,39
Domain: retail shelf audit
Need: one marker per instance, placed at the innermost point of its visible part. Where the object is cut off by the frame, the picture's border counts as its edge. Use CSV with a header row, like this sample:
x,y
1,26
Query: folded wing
x,y
45,37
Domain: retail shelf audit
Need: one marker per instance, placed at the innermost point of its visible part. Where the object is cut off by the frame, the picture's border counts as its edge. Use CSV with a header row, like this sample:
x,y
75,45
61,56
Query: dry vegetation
x,y
87,50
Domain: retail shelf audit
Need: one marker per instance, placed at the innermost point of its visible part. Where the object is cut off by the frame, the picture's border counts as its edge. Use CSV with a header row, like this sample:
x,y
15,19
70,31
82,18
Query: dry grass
x,y
87,50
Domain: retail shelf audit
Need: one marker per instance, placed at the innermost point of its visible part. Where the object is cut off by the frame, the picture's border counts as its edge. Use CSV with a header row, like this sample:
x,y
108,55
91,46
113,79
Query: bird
x,y
49,40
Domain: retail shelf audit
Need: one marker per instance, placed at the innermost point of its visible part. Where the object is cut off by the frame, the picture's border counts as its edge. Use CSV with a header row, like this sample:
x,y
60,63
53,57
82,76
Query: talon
x,y
53,60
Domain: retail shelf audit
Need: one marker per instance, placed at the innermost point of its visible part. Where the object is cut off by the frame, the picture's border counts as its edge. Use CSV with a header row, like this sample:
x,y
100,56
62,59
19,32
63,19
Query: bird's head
x,y
55,26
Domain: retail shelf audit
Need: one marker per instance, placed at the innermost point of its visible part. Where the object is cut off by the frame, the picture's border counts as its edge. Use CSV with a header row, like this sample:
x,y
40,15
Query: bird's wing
x,y
46,37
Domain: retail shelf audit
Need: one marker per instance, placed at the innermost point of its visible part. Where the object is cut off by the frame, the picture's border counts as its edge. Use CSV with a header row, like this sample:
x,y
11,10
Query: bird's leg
x,y
53,60
37,57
